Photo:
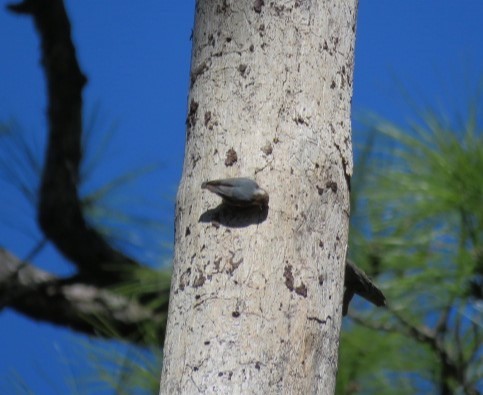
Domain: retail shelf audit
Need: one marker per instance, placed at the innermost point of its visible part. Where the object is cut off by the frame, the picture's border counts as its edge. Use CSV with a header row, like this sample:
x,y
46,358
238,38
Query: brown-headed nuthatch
x,y
239,192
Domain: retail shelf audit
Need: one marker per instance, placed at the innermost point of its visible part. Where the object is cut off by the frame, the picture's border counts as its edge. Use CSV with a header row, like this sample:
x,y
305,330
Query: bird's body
x,y
239,192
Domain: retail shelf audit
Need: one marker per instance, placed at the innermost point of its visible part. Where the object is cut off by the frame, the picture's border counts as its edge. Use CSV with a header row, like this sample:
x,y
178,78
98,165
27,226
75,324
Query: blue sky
x,y
137,60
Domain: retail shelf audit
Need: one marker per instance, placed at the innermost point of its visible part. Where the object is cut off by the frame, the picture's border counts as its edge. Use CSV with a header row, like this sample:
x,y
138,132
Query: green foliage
x,y
417,225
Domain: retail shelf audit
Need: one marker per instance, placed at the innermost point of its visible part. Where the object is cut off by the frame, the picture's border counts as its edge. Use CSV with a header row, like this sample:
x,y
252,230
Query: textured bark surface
x,y
256,297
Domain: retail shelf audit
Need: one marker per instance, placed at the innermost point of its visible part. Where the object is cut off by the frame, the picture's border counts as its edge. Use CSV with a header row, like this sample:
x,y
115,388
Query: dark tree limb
x,y
357,282
83,308
60,210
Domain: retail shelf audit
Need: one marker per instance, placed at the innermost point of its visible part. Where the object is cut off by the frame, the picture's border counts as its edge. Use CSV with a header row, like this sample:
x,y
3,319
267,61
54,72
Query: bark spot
x,y
221,8
191,121
301,121
233,264
318,320
257,6
216,264
289,280
301,290
267,149
332,185
231,157
242,69
207,117
198,71
199,281
321,279
211,40
185,279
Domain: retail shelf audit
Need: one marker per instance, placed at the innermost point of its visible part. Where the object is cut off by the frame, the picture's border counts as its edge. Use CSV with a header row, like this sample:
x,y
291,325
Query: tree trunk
x,y
256,296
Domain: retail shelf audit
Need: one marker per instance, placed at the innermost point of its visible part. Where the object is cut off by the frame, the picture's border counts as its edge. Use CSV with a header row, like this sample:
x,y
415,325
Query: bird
x,y
357,282
238,192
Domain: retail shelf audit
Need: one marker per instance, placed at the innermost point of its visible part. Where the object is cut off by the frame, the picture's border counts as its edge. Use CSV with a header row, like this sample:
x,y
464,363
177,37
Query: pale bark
x,y
256,298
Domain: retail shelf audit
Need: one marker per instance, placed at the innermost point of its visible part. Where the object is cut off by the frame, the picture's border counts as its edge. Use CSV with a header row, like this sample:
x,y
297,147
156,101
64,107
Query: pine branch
x,y
83,308
60,210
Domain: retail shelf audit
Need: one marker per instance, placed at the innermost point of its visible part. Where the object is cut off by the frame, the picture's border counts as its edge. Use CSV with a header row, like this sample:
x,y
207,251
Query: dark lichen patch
x,y
207,117
199,281
191,120
216,264
289,280
211,40
257,6
197,71
301,290
332,185
231,157
299,120
222,8
242,69
185,279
